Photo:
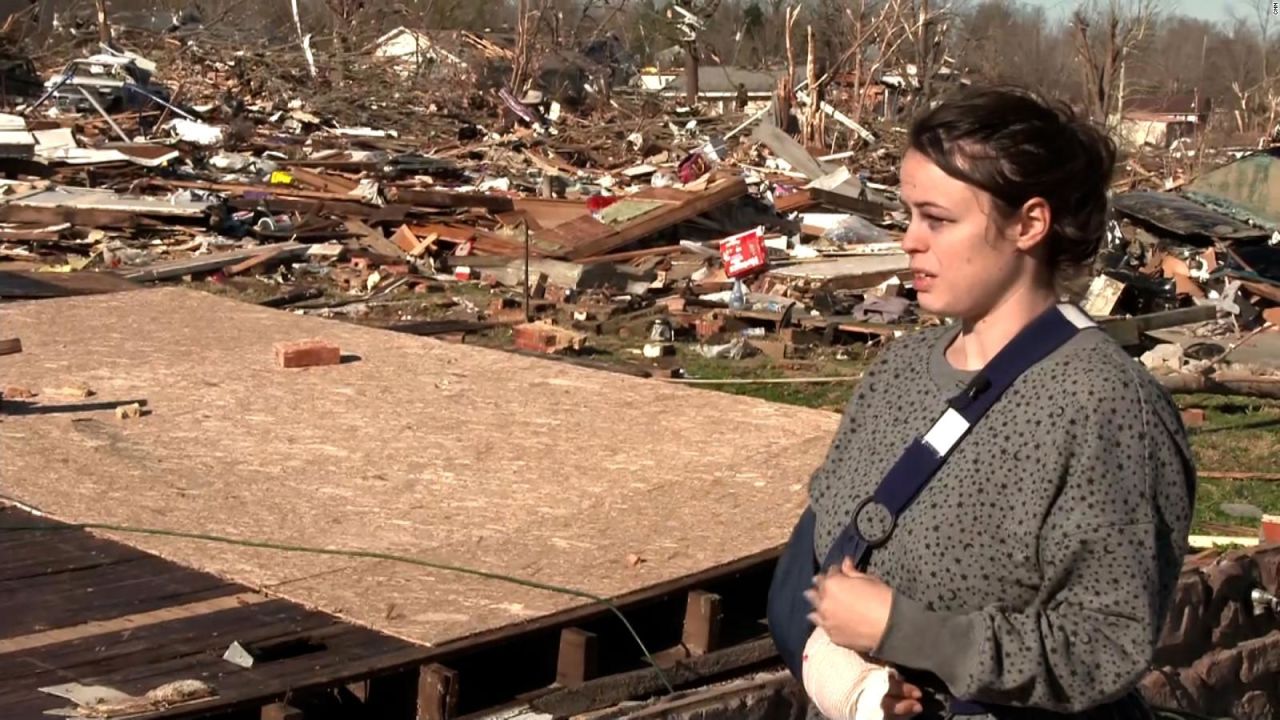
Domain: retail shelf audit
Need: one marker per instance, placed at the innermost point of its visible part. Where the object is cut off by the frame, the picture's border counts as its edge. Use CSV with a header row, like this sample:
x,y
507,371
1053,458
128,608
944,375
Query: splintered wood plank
x,y
441,452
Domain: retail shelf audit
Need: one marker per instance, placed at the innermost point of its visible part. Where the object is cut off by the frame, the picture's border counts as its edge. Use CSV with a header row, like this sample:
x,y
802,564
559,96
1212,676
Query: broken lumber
x,y
448,199
206,263
785,147
1223,383
1128,330
655,221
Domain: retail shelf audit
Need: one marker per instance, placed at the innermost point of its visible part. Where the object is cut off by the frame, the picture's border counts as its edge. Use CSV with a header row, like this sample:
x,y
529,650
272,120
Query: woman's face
x,y
965,258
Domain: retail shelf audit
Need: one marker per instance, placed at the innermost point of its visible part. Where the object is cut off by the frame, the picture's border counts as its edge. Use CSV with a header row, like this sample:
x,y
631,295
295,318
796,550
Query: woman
x,y
1030,577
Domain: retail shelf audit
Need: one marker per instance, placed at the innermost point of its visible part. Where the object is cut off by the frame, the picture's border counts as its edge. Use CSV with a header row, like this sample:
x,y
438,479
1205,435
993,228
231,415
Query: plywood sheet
x,y
449,453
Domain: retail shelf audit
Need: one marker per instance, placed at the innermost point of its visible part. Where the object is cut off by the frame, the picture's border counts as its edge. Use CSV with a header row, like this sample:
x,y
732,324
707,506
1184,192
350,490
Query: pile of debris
x,y
664,227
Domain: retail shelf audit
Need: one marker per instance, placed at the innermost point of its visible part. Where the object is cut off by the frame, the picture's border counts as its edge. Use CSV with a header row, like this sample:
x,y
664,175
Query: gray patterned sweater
x,y
1034,571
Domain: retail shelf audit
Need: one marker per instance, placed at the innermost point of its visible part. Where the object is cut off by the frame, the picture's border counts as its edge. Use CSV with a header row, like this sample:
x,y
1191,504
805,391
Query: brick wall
x,y
1219,656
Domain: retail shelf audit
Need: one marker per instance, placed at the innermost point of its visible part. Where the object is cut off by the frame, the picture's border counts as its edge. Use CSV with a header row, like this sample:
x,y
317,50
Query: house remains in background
x,y
1161,121
719,86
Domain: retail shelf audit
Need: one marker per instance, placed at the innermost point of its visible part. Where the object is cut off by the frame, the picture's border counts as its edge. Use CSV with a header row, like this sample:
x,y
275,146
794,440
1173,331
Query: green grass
x,y
827,396
1239,435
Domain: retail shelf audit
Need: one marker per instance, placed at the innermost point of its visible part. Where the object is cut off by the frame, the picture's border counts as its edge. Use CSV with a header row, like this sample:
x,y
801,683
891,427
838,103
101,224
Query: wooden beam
x,y
614,689
842,201
577,661
701,623
10,346
437,693
373,240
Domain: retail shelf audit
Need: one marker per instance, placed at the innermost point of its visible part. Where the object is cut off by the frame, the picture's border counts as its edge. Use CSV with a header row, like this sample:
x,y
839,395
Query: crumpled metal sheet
x,y
1247,189
1176,214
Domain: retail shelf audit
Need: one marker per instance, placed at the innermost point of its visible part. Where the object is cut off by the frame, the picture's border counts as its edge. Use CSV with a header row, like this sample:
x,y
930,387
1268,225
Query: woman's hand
x,y
902,701
851,606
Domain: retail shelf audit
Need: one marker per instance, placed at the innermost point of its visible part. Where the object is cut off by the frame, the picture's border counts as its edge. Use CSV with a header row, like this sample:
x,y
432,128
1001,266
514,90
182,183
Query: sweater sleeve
x,y
1110,552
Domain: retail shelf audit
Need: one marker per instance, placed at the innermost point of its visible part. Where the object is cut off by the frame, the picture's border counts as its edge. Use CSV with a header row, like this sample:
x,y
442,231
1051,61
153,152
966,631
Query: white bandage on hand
x,y
841,683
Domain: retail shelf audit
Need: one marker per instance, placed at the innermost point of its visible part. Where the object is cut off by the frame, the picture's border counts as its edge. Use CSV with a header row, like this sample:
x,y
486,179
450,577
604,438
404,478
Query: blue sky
x,y
1215,10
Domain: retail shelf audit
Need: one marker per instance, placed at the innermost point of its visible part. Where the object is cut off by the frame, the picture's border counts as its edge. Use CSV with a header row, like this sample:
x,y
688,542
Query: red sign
x,y
744,253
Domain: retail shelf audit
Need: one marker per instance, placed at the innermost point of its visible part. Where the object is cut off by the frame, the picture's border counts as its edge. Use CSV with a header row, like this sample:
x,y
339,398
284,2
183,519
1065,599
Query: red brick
x,y
307,353
1193,417
544,338
1268,556
709,325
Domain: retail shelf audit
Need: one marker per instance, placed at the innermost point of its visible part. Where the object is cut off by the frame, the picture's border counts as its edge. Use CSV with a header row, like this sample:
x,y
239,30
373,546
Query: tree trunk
x,y
691,72
925,55
812,128
104,27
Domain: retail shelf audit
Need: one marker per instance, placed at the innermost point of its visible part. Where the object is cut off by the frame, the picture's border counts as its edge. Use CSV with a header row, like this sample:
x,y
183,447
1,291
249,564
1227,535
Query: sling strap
x,y
925,455
788,610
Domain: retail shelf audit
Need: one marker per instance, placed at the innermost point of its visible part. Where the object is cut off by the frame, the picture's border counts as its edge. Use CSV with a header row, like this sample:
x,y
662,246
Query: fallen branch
x,y
1255,386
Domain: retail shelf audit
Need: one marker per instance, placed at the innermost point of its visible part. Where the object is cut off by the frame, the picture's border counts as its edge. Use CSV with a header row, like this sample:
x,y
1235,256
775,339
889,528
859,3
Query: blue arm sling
x,y
788,610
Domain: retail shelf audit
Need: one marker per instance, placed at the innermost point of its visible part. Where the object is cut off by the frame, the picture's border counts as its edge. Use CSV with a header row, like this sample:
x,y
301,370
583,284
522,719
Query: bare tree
x,y
876,35
1104,39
